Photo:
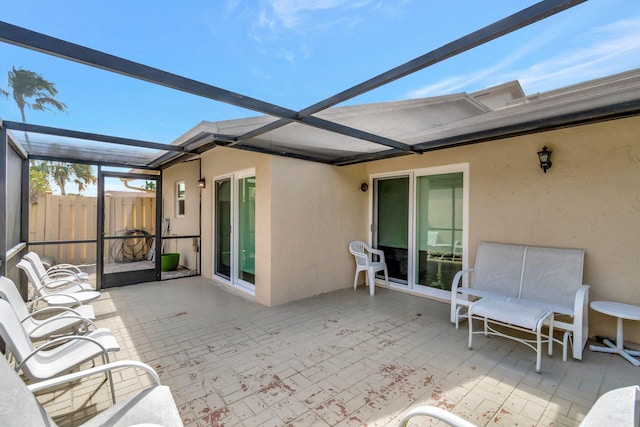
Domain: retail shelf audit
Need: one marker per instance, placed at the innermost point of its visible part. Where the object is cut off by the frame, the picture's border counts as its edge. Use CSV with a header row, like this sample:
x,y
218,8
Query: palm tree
x,y
31,90
63,172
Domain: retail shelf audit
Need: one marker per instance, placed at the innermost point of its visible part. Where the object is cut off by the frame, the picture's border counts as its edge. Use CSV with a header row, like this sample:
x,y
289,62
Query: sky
x,y
294,53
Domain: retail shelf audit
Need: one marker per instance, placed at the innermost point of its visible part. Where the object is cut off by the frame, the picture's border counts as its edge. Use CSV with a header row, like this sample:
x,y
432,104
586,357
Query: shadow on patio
x,y
342,358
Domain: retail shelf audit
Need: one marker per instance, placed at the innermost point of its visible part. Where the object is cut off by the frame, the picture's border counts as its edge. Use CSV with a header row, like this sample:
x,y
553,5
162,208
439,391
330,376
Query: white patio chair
x,y
59,274
57,320
152,406
619,407
437,413
364,262
57,356
70,296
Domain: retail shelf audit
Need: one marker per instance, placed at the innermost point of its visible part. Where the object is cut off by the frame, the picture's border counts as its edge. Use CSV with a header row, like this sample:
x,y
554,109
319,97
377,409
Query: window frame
x,y
180,199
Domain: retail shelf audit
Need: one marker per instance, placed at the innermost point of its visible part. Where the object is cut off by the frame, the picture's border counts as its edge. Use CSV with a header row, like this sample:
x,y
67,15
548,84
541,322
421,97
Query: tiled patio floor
x,y
339,359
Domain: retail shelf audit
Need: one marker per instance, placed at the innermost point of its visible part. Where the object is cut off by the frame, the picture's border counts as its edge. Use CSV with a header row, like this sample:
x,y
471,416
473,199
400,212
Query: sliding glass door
x,y
419,221
235,229
391,224
439,204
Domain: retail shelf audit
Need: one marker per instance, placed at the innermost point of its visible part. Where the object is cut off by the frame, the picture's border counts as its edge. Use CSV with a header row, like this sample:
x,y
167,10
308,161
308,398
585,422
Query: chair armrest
x,y
378,252
59,295
120,364
57,341
48,309
62,274
66,316
68,267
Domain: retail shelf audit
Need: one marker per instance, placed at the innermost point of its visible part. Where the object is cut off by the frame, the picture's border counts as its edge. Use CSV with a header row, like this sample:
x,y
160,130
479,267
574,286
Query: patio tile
x,y
339,359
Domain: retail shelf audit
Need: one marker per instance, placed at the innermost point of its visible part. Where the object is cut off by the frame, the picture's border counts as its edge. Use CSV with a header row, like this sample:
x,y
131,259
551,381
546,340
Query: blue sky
x,y
296,52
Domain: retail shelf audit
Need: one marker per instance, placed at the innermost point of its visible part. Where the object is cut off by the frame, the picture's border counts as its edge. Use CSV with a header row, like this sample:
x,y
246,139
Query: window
x,y
180,199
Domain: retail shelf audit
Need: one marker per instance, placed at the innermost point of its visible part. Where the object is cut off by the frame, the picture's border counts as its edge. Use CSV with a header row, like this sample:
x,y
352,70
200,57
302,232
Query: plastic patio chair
x,y
56,356
364,262
437,413
619,407
72,295
152,406
59,274
57,320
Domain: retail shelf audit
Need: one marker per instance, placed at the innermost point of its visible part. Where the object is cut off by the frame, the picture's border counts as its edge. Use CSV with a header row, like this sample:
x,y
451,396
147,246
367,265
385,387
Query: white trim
x,y
233,280
215,179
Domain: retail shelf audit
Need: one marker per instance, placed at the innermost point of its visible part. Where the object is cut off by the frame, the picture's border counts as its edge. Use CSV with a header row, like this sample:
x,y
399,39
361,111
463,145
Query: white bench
x,y
547,278
514,315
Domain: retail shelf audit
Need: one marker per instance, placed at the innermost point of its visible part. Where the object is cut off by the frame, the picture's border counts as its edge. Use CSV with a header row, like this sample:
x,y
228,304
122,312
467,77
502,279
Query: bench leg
x,y
538,349
459,316
551,336
565,345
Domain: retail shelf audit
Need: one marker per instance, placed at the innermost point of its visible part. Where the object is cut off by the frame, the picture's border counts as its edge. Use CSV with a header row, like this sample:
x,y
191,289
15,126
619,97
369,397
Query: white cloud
x,y
296,14
606,50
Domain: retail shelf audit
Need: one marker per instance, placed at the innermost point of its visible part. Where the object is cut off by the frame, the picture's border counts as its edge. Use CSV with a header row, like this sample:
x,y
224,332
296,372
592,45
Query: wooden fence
x,y
63,218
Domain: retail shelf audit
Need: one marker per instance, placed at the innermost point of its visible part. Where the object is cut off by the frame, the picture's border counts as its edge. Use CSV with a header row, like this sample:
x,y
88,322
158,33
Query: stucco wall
x,y
189,172
589,199
316,211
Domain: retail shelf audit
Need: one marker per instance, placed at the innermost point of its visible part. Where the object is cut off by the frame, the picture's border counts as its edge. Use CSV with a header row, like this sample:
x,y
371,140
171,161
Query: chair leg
x,y
470,321
372,282
105,360
355,281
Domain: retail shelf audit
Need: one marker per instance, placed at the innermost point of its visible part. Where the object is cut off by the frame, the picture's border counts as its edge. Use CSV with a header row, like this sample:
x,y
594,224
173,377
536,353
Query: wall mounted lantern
x,y
364,187
545,159
202,183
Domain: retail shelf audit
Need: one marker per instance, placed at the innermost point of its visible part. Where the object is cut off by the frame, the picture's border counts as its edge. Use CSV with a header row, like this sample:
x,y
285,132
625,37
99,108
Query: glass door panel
x,y
222,258
439,218
247,229
391,224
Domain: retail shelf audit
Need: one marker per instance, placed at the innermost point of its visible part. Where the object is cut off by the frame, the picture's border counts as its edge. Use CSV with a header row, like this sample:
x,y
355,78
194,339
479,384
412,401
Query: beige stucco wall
x,y
306,214
189,172
223,161
316,211
589,199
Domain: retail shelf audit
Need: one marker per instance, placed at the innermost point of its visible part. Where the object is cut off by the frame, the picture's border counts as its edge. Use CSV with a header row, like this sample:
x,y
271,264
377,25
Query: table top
x,y
617,309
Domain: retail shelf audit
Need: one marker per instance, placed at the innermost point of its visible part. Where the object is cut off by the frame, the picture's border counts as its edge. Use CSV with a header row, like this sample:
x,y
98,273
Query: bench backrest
x,y
552,275
547,275
498,268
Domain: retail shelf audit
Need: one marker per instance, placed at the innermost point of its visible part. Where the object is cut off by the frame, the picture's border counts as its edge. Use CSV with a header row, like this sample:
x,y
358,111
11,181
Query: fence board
x,y
75,218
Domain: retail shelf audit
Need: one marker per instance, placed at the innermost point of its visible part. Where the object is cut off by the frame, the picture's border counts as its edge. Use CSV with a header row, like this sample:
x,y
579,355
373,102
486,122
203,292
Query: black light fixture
x,y
364,187
545,159
202,183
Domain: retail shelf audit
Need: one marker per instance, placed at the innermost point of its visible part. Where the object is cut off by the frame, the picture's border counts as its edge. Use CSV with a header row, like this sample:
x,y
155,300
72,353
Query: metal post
x,y
3,200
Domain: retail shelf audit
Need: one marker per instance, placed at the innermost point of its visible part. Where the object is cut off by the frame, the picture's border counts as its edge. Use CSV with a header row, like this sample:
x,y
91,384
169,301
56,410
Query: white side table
x,y
620,311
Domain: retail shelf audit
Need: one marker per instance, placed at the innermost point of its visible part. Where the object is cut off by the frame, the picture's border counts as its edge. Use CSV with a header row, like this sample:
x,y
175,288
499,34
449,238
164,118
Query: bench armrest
x,y
456,280
456,298
580,321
